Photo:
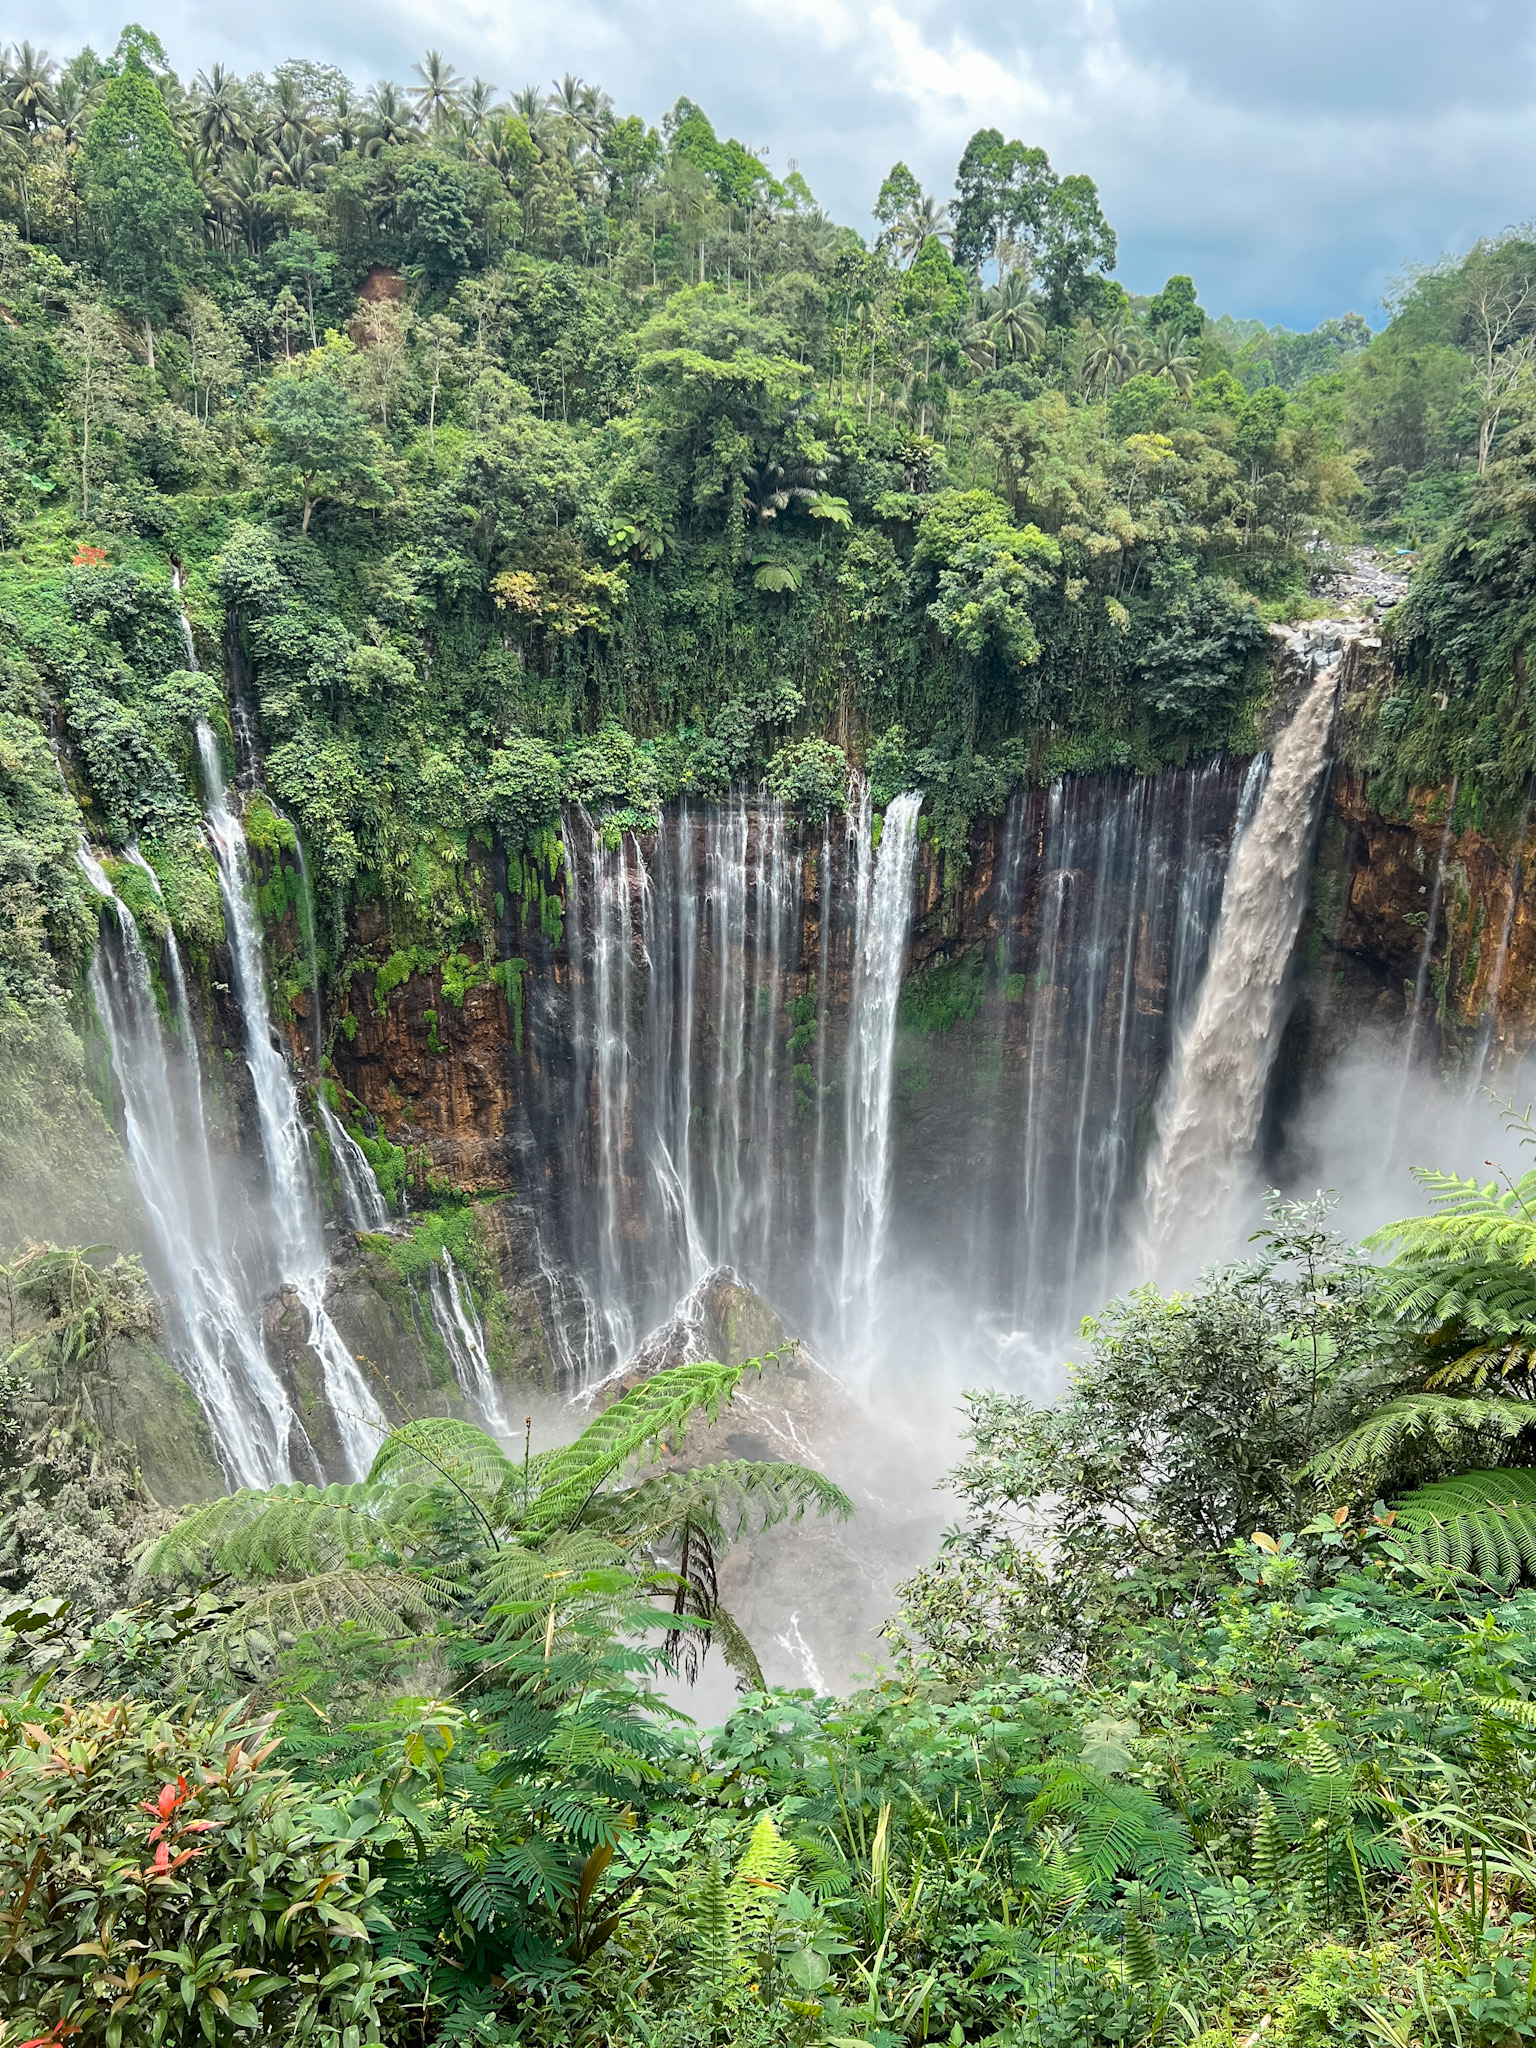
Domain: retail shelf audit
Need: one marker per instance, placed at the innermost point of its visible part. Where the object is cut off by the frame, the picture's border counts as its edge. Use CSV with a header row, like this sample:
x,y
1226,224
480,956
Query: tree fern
x,y
655,1416
1479,1523
559,1549
1420,1422
727,1500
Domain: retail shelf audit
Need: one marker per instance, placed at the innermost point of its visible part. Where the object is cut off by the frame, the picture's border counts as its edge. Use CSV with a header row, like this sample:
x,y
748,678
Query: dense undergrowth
x,y
1213,1720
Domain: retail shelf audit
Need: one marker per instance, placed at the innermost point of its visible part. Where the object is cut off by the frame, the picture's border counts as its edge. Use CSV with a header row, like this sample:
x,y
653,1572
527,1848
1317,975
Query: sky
x,y
1291,155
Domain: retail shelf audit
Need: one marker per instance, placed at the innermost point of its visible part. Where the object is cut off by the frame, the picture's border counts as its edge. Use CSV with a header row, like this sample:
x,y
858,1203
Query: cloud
x,y
1292,154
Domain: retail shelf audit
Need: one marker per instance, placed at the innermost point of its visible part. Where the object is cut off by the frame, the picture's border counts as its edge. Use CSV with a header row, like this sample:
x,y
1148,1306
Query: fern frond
x,y
391,1604
735,1648
1439,1421
1479,1523
273,1532
1502,1359
1495,1296
715,1960
758,1883
654,1416
728,1500
438,1449
1521,1712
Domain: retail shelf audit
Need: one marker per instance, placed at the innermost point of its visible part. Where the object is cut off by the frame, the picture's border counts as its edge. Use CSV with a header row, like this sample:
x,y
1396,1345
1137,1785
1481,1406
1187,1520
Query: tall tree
x,y
1004,189
143,204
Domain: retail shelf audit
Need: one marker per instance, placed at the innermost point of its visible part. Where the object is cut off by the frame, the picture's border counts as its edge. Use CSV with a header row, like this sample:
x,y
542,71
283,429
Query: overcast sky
x,y
1292,155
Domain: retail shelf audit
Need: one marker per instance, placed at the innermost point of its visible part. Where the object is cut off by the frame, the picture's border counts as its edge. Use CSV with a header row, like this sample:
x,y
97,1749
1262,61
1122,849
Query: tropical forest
x,y
767,1189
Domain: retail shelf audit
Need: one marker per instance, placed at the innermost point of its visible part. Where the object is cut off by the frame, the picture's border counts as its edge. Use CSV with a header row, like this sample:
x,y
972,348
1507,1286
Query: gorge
x,y
931,1119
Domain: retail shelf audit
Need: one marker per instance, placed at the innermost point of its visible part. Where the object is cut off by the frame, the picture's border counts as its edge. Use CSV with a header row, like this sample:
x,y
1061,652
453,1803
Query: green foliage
x,y
812,774
243,1903
318,439
939,996
144,207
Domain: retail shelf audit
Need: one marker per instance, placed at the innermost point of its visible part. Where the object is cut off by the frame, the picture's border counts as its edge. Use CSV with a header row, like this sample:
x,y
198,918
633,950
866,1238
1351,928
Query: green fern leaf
x,y
1419,1422
1482,1524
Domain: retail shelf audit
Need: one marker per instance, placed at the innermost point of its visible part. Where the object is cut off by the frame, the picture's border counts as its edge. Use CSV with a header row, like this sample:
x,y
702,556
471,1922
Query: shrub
x,y
810,773
168,1884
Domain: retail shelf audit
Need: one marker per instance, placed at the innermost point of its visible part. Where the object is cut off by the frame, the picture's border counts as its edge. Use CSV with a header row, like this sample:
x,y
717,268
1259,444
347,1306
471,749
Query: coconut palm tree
x,y
347,121
1170,355
1014,318
440,93
225,119
30,77
1110,355
924,220
479,104
390,119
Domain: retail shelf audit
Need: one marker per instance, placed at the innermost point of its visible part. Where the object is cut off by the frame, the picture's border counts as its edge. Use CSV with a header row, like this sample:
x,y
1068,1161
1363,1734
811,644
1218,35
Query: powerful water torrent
x,y
1210,1117
883,915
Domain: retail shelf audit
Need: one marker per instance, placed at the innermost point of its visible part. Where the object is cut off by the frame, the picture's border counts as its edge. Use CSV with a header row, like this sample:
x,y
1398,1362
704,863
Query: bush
x,y
167,1884
812,774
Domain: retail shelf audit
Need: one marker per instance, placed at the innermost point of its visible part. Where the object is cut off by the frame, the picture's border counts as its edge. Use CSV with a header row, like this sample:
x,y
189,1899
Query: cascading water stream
x,y
458,1324
1210,1117
361,1195
214,1332
298,1238
712,1074
884,925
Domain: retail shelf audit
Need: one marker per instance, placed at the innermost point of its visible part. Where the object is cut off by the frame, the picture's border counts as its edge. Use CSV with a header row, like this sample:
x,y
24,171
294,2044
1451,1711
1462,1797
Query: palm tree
x,y
240,193
1169,355
1013,317
1110,355
978,345
769,488
390,120
496,145
440,93
225,117
16,163
924,220
30,77
290,118
298,167
499,1552
346,121
478,105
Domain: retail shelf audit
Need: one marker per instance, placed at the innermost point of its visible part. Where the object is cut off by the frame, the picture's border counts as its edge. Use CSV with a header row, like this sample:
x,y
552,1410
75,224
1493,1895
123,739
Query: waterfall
x,y
458,1324
361,1195
884,918
1106,891
213,1322
711,1067
1489,1023
298,1239
1210,1118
